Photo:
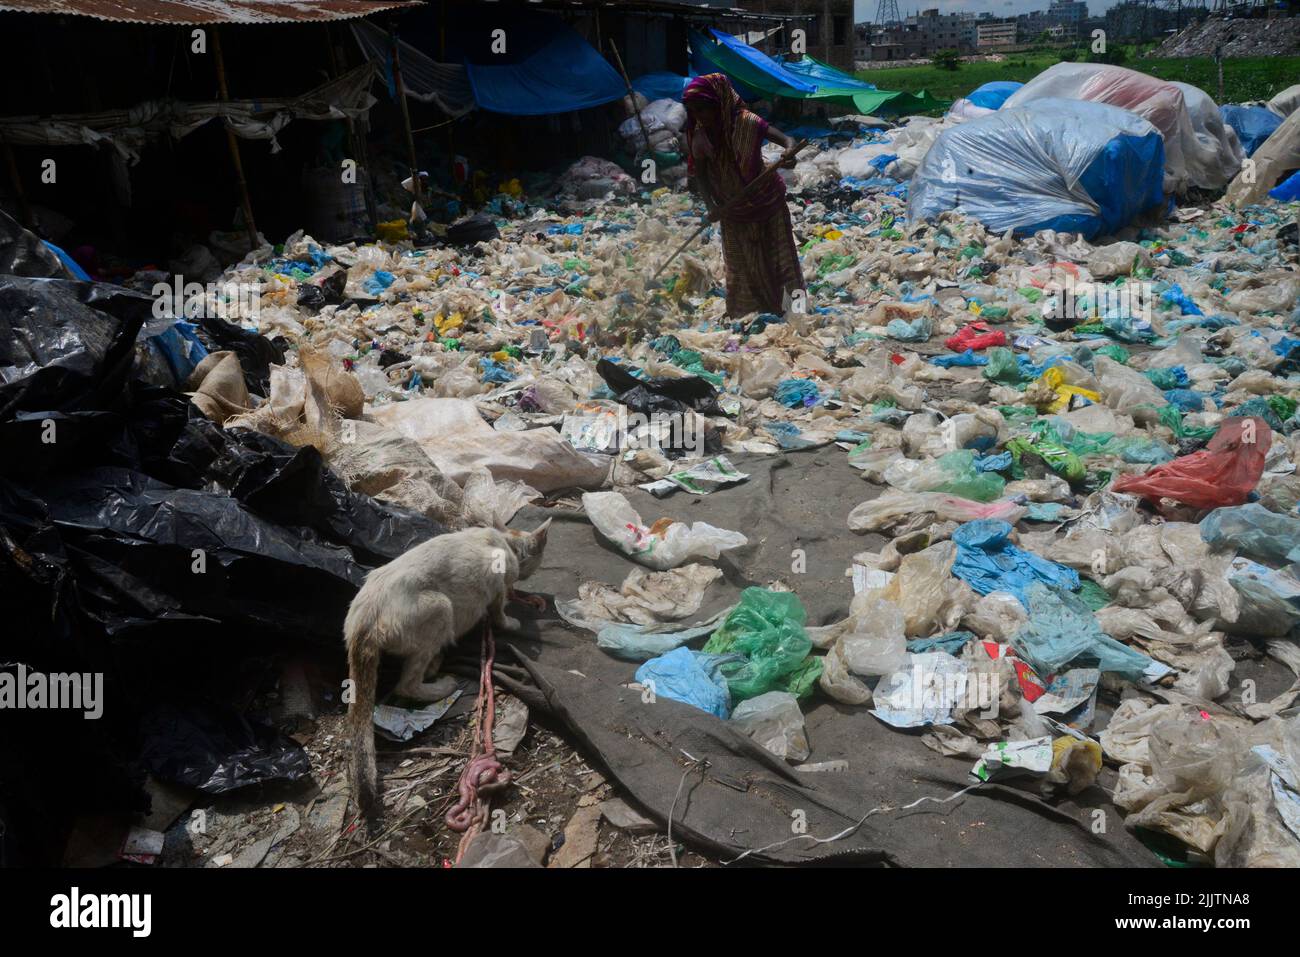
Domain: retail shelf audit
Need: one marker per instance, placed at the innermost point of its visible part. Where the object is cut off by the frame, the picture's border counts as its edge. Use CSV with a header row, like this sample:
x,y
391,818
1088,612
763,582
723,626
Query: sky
x,y
866,9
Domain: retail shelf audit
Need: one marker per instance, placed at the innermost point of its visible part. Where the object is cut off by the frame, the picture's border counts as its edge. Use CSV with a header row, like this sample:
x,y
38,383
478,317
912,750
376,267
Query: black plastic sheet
x,y
216,750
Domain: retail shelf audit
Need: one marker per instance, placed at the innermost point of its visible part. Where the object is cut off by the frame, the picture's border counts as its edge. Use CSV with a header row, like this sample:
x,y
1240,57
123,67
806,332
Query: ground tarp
x,y
745,798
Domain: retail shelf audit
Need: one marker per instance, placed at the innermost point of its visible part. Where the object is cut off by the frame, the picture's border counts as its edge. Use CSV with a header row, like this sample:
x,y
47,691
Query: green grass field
x,y
1252,78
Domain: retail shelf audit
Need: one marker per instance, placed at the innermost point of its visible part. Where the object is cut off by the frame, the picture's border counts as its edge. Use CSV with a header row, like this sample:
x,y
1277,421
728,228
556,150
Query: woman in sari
x,y
724,142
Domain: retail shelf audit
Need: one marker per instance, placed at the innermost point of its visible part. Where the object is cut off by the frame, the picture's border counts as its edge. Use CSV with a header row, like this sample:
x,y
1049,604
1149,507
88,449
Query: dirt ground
x,y
553,807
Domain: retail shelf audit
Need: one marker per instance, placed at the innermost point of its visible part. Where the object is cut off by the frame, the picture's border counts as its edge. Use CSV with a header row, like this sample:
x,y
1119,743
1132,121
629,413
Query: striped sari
x,y
757,235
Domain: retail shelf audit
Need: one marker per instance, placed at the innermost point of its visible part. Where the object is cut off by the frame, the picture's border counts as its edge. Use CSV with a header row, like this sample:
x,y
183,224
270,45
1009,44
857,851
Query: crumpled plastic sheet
x,y
988,562
1061,629
692,677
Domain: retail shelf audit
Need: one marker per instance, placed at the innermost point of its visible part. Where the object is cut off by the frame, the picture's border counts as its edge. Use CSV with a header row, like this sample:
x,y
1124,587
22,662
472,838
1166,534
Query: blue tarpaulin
x,y
661,86
765,64
993,94
547,67
757,76
1252,124
823,74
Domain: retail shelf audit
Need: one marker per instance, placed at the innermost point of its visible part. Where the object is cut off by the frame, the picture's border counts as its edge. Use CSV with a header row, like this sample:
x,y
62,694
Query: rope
x,y
483,774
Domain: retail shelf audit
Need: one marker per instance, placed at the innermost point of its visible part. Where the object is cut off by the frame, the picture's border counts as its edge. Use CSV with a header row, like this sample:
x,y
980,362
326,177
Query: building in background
x,y
829,26
992,34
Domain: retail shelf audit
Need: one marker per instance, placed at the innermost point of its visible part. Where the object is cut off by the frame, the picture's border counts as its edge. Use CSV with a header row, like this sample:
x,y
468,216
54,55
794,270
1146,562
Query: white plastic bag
x,y
660,546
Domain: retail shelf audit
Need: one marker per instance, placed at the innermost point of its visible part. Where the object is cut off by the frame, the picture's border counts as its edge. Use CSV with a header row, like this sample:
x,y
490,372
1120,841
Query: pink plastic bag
x,y
1222,473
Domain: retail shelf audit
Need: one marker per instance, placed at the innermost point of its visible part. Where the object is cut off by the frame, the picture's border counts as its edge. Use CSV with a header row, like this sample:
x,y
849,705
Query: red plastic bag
x,y
976,336
1222,473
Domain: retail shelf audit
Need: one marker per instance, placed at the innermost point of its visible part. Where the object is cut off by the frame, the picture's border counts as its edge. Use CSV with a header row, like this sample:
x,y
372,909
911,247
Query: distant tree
x,y
947,60
1113,55
1068,56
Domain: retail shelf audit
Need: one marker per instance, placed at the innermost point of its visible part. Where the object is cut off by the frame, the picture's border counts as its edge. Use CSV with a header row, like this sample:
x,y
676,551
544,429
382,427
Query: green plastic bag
x,y
967,481
1002,366
766,628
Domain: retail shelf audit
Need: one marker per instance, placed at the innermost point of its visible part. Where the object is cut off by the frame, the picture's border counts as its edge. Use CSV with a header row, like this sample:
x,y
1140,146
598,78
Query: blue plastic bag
x,y
988,562
1252,530
691,677
1062,629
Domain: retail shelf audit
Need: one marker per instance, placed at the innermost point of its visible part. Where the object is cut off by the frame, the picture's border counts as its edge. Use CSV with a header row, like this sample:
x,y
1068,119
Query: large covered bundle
x,y
1214,135
1271,164
1190,160
1056,164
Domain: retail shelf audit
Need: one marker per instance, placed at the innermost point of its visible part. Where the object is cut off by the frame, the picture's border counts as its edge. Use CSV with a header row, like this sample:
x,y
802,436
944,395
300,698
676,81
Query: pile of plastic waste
x,y
1079,460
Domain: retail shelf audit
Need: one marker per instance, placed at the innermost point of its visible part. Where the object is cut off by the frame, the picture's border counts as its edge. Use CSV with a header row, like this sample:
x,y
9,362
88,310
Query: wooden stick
x,y
631,95
232,142
789,154
400,89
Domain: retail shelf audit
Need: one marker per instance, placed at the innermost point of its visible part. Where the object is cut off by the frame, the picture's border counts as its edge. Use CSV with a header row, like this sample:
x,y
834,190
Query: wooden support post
x,y
233,142
24,208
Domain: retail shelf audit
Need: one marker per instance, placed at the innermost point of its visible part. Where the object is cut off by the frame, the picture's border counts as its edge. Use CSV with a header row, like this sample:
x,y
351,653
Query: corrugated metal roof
x,y
208,11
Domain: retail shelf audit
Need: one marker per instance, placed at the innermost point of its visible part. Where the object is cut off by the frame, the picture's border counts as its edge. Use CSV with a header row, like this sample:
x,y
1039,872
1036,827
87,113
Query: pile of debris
x,y
1234,38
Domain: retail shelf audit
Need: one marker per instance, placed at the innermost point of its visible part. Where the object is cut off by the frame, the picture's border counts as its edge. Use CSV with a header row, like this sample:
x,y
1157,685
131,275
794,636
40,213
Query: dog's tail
x,y
363,670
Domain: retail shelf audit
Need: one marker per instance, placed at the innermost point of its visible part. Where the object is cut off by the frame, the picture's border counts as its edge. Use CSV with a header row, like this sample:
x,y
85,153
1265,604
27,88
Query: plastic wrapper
x,y
1054,164
663,545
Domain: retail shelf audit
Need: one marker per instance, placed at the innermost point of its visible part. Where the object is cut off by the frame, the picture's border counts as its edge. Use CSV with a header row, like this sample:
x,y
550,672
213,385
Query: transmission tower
x,y
887,13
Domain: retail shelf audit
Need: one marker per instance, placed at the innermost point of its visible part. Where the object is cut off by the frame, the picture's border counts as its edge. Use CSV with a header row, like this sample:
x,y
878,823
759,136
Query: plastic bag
x,y
1223,473
838,682
766,631
690,677
1206,161
663,545
995,616
892,508
1252,530
1061,629
1056,164
988,562
774,721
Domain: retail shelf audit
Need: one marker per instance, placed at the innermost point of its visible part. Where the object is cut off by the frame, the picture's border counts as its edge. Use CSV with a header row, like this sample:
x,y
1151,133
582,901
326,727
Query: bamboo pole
x,y
631,95
406,116
232,141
